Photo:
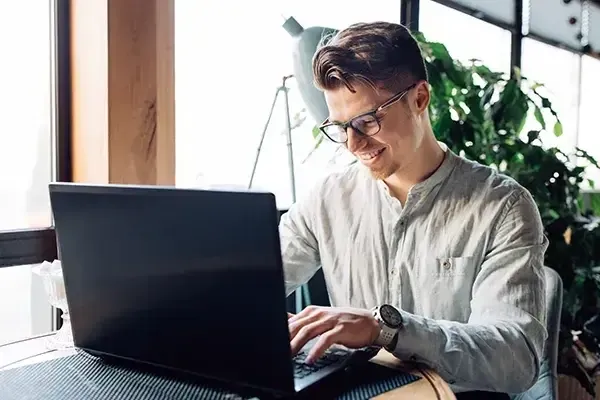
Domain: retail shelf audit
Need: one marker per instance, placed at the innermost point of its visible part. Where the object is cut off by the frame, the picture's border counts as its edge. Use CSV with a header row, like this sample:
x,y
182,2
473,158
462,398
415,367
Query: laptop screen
x,y
181,278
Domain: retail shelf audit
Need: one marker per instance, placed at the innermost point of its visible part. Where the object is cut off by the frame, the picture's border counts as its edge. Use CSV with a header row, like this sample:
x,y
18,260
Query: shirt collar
x,y
438,176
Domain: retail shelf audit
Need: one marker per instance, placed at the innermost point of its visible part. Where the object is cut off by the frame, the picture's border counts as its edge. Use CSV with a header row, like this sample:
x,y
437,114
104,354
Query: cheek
x,y
399,128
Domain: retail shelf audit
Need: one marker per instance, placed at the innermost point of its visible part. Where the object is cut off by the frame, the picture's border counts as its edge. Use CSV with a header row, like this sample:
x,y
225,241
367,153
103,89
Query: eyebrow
x,y
330,121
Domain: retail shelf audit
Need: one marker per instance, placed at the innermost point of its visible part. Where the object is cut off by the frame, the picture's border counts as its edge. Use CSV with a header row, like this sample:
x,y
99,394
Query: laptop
x,y
187,280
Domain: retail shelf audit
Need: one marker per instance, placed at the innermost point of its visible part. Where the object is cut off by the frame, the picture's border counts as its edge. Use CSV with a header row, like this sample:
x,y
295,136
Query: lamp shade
x,y
305,44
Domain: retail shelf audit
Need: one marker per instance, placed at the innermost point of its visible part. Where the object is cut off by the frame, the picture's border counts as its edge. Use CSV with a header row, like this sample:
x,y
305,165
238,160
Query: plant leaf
x,y
558,129
584,154
539,117
316,132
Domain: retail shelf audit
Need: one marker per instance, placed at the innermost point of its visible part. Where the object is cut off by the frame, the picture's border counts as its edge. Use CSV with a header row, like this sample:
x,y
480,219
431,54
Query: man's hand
x,y
350,327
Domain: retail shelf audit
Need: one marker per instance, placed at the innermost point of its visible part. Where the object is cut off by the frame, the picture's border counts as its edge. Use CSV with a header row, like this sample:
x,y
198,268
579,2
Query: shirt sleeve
x,y
299,247
500,347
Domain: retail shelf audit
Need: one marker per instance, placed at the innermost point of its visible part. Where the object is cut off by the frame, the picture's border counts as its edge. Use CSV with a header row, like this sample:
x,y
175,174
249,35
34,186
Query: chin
x,y
382,173
381,166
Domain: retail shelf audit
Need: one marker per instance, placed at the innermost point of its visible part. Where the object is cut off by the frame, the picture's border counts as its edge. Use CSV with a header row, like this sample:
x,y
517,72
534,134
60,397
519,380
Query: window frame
x,y
32,246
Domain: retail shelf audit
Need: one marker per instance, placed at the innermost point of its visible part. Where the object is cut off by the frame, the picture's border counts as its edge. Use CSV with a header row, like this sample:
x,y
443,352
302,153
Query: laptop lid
x,y
185,279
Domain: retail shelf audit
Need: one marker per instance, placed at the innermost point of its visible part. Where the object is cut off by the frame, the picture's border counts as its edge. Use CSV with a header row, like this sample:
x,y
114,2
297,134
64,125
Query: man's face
x,y
394,147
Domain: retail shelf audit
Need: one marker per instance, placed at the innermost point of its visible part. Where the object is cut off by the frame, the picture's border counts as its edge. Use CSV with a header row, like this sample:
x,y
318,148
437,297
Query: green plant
x,y
480,114
591,201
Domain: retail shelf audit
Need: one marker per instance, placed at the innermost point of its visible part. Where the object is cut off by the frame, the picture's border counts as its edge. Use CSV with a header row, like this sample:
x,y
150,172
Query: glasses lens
x,y
366,124
335,132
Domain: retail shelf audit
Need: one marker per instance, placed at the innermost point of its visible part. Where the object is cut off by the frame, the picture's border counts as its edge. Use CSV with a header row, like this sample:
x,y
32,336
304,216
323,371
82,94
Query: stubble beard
x,y
383,172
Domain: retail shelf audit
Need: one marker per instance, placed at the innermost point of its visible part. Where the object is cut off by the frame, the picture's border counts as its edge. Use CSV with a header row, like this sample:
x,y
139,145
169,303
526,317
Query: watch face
x,y
390,316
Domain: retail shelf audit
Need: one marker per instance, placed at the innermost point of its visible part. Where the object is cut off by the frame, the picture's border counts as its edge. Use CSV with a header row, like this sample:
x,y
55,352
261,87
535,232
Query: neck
x,y
426,161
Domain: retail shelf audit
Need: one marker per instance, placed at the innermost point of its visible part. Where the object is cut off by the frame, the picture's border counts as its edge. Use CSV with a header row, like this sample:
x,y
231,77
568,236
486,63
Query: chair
x,y
546,387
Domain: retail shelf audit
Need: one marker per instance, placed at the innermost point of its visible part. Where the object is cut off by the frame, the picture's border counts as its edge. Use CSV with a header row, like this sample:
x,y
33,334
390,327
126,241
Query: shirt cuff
x,y
417,340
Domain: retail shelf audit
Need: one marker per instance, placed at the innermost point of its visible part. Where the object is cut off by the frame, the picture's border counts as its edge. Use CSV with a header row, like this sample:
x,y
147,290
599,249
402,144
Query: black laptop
x,y
182,279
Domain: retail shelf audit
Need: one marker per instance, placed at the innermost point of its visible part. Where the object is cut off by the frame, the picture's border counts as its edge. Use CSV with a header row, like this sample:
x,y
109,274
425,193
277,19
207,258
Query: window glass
x,y
337,14
455,30
502,10
24,307
230,60
25,154
560,84
589,130
25,112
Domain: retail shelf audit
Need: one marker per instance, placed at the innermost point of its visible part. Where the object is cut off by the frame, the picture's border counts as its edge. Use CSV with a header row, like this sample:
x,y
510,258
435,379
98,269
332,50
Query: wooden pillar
x,y
123,91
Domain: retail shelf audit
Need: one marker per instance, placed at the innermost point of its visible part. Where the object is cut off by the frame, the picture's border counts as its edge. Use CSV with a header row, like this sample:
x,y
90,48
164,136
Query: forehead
x,y
344,105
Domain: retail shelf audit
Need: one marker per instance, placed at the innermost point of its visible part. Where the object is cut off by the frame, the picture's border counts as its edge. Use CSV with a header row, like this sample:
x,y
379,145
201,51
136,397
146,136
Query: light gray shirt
x,y
462,260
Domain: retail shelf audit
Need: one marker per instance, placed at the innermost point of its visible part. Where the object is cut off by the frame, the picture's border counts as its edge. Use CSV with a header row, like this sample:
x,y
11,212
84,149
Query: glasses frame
x,y
344,125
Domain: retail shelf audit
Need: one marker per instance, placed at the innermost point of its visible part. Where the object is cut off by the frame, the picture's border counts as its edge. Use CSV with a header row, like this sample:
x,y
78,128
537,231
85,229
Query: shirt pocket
x,y
445,285
450,266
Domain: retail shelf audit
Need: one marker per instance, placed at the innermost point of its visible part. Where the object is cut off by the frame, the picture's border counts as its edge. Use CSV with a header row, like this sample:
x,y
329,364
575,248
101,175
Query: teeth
x,y
369,156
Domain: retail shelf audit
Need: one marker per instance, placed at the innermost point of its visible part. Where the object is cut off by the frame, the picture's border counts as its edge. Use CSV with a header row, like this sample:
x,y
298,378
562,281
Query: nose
x,y
355,139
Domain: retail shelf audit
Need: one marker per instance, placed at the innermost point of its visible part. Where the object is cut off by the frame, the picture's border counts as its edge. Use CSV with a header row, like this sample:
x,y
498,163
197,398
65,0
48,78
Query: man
x,y
413,231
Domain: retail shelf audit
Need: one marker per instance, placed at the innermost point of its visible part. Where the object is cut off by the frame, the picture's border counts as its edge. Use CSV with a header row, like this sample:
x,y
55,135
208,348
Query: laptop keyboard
x,y
331,356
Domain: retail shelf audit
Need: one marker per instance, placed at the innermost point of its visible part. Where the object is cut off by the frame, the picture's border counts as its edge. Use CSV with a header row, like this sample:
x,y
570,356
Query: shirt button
x,y
446,264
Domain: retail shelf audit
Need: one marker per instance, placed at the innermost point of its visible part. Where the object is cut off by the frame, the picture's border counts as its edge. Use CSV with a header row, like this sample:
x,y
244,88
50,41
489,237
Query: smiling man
x,y
432,256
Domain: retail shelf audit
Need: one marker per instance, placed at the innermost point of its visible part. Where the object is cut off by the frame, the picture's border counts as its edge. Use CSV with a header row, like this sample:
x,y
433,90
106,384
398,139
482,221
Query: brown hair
x,y
380,54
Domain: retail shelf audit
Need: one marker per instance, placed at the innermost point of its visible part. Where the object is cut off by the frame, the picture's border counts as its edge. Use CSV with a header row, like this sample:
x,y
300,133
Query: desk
x,y
34,350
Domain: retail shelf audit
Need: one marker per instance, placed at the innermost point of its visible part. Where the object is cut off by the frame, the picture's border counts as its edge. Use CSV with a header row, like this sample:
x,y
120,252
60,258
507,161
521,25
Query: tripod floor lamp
x,y
302,294
305,43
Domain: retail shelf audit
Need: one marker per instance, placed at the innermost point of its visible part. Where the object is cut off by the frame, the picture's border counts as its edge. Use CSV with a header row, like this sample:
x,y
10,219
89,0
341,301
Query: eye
x,y
365,123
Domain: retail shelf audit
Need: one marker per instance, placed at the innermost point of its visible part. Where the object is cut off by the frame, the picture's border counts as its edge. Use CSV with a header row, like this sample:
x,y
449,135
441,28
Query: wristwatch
x,y
390,321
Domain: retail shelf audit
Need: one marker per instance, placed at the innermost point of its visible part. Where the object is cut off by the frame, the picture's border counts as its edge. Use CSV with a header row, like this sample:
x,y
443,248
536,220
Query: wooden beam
x,y
123,91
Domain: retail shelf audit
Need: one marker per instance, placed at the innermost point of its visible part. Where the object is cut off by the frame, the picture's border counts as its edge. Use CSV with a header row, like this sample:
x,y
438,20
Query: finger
x,y
298,324
309,332
290,315
310,310
326,340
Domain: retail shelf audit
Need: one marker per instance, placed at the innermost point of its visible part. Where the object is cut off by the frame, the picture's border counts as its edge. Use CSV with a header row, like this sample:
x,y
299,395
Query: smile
x,y
371,155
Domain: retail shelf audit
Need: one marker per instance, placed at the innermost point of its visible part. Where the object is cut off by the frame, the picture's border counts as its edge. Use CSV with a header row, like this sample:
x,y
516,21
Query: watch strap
x,y
388,336
391,347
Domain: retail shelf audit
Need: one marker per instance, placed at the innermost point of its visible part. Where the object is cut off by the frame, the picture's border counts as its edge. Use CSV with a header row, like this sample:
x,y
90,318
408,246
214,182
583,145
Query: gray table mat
x,y
82,376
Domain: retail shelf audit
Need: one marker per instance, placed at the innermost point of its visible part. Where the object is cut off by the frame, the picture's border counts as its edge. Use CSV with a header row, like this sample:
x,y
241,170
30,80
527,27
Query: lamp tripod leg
x,y
262,137
302,294
290,151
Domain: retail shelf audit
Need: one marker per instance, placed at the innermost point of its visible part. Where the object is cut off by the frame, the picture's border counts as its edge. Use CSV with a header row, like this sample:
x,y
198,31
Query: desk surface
x,y
35,350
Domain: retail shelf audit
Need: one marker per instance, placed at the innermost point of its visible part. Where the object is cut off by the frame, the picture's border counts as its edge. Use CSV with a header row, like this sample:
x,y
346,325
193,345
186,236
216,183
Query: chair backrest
x,y
546,387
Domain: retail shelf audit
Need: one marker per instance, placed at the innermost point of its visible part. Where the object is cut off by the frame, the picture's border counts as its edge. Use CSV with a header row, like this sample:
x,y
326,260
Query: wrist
x,y
390,322
375,330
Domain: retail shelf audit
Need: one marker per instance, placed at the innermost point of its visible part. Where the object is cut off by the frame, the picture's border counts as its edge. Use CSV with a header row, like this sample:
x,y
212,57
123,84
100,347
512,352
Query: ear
x,y
421,97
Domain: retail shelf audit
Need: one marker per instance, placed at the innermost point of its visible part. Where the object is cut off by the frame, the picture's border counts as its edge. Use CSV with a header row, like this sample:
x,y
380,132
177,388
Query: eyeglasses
x,y
366,124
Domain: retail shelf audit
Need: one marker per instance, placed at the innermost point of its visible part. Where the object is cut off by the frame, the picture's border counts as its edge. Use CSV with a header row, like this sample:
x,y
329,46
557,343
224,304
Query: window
x,y
25,112
230,60
24,308
455,30
589,130
560,80
26,141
